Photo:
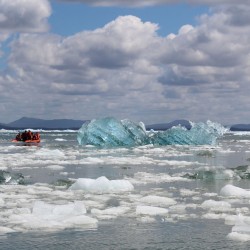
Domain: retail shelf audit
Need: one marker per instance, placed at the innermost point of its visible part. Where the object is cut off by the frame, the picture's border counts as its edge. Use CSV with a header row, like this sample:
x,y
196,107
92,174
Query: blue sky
x,y
152,61
68,19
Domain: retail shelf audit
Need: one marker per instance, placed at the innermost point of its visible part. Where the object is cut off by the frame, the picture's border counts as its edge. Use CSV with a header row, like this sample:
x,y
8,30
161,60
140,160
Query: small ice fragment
x,y
149,210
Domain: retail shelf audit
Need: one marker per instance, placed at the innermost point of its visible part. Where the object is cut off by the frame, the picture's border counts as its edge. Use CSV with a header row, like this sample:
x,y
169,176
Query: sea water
x,y
61,195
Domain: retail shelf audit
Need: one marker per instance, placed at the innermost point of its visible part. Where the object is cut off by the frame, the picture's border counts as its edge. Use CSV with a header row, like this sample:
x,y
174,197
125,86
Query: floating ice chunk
x,y
238,236
241,229
55,167
187,192
242,224
219,206
144,178
109,213
60,139
158,201
44,216
214,216
230,190
150,210
179,209
44,209
231,219
4,230
102,185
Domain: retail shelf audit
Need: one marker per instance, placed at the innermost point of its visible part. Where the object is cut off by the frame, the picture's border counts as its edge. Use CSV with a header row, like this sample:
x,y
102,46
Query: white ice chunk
x,y
60,139
55,167
187,193
158,200
44,209
150,210
4,230
230,219
109,213
145,178
102,185
179,209
219,206
238,237
214,216
230,190
242,224
45,216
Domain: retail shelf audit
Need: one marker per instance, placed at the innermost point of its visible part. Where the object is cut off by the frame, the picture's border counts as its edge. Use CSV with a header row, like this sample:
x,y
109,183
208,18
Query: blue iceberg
x,y
110,132
199,134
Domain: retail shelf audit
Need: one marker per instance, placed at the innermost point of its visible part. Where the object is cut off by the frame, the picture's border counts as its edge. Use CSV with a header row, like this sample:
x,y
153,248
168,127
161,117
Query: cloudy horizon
x,y
126,67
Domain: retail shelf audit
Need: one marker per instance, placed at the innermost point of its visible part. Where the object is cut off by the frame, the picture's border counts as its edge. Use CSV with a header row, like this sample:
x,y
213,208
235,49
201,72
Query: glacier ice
x,y
110,132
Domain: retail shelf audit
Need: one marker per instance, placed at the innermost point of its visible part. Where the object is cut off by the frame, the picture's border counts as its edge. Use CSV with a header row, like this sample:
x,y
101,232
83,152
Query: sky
x,y
153,61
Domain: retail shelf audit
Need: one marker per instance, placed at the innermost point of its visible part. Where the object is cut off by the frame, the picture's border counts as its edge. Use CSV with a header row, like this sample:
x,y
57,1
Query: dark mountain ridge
x,y
240,127
34,123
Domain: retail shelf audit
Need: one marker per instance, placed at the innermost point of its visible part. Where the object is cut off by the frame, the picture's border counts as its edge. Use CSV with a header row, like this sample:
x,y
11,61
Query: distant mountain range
x,y
240,127
33,123
61,124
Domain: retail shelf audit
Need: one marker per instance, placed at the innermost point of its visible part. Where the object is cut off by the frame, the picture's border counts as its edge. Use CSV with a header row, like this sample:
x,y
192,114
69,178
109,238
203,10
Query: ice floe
x,y
102,185
151,210
233,191
241,229
157,201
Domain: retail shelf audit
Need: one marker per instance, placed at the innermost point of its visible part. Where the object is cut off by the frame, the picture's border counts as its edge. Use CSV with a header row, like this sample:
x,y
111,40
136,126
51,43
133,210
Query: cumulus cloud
x,y
87,57
126,69
24,15
217,50
111,65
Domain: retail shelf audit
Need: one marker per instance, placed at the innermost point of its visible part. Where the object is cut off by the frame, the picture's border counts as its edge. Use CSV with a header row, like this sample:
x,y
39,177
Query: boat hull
x,y
27,142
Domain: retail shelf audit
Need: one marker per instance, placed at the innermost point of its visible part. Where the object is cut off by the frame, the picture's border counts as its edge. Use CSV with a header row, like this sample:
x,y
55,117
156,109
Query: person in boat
x,y
36,136
29,135
19,137
25,135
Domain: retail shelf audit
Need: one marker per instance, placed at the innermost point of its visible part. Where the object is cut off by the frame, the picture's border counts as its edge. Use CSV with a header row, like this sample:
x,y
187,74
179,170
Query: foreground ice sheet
x,y
110,132
50,208
102,185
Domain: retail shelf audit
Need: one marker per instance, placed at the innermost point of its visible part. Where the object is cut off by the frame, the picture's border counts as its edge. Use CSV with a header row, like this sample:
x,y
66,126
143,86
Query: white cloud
x,y
126,69
112,66
24,15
